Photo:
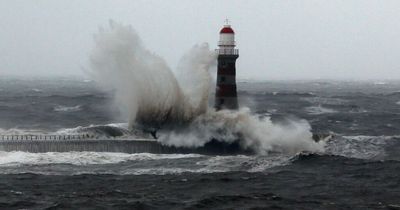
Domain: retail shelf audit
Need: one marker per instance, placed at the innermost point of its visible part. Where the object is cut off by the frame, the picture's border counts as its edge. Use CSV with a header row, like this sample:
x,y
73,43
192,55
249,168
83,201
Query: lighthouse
x,y
226,94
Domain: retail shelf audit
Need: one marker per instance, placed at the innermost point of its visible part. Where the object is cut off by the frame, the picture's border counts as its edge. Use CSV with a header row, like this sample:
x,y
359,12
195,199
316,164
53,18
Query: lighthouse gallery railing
x,y
227,51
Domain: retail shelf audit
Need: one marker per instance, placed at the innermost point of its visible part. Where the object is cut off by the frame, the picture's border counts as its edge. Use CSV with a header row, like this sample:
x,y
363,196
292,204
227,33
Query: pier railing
x,y
47,137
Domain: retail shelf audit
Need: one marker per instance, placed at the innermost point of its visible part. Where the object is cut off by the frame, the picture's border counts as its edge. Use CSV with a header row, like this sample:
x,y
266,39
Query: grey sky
x,y
278,39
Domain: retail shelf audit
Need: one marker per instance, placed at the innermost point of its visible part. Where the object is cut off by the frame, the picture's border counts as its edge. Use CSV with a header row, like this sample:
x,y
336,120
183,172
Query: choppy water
x,y
358,170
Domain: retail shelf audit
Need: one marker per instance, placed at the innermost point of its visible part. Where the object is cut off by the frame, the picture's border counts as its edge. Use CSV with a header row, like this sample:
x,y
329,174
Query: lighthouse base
x,y
226,103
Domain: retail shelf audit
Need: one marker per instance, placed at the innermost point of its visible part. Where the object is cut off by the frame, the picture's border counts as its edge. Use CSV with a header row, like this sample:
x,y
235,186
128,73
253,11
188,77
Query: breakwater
x,y
79,143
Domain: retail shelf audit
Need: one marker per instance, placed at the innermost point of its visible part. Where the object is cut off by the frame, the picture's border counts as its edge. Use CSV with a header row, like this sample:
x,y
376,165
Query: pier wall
x,y
36,144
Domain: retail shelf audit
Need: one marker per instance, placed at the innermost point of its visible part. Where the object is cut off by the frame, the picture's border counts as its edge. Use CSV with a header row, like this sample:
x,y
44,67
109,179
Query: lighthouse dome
x,y
226,37
227,30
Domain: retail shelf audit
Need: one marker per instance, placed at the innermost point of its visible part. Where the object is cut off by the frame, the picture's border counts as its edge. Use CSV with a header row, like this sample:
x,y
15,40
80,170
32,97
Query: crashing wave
x,y
153,97
146,89
116,130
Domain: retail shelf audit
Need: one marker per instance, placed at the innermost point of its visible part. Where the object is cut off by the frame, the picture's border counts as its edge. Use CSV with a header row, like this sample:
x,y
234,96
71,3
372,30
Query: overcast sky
x,y
278,39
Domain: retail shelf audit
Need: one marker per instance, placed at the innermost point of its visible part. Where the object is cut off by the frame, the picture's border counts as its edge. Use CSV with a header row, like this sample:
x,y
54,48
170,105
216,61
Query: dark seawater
x,y
358,170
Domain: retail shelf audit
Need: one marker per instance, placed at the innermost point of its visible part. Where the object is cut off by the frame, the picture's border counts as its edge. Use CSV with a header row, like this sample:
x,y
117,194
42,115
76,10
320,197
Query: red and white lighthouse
x,y
226,94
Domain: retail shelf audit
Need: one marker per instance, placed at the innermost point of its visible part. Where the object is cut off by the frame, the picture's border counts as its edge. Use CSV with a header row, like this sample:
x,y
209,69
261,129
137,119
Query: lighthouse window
x,y
222,79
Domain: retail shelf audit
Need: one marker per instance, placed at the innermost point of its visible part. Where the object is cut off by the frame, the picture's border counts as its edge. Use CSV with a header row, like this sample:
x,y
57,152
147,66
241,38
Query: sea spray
x,y
254,132
194,77
153,96
145,87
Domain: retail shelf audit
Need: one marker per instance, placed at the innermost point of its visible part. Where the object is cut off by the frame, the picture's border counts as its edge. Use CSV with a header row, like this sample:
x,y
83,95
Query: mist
x,y
277,39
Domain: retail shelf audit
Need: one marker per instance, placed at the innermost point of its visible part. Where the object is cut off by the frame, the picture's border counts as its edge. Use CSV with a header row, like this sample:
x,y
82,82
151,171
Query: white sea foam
x,y
37,90
325,100
16,131
67,108
108,131
317,110
255,132
72,163
165,171
79,129
362,147
244,162
380,83
81,158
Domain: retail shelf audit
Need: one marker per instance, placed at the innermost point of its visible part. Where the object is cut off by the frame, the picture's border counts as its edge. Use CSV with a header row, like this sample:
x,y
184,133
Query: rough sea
x,y
359,168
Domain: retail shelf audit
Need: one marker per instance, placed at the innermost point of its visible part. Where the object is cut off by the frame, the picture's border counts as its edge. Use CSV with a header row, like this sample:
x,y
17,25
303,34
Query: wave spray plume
x,y
145,86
